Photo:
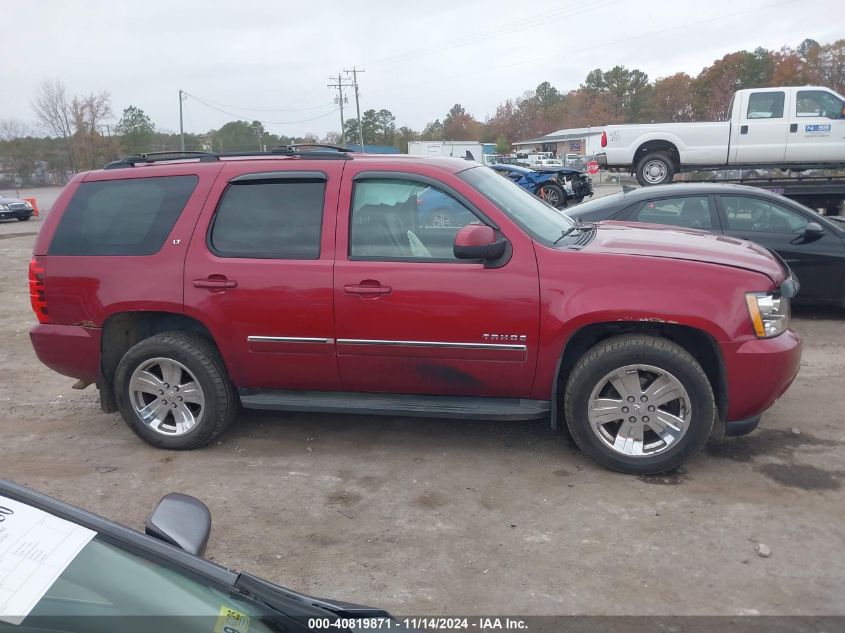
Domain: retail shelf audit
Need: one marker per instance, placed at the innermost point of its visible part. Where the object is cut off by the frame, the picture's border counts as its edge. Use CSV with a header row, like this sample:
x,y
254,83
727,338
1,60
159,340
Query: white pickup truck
x,y
801,127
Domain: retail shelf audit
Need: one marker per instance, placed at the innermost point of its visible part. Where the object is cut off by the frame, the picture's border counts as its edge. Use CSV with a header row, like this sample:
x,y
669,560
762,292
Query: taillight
x,y
604,139
37,292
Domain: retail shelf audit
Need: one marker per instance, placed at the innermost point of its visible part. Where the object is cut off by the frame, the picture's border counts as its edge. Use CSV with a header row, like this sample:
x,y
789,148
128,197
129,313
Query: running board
x,y
459,407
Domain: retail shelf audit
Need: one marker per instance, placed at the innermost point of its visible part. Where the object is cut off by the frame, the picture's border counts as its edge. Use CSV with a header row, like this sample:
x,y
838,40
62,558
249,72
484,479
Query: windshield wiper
x,y
579,225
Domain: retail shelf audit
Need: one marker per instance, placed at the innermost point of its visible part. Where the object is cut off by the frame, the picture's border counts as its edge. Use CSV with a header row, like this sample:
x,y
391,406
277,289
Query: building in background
x,y
479,152
583,141
373,149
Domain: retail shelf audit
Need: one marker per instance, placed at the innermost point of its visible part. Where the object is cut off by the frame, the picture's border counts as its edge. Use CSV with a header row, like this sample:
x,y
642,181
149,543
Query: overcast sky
x,y
271,60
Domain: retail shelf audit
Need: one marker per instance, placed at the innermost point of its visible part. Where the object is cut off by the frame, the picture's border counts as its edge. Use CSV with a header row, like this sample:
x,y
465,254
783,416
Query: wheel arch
x,y
657,145
122,330
700,344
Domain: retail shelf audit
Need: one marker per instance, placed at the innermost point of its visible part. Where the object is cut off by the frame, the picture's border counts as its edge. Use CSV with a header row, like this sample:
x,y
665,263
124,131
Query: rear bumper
x,y
68,349
759,372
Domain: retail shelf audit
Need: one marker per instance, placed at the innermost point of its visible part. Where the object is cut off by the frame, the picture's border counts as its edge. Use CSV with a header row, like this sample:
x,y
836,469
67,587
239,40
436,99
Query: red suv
x,y
186,286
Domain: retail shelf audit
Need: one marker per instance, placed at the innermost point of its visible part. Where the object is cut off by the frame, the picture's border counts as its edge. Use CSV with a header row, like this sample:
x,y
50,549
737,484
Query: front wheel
x,y
639,404
173,391
24,218
441,219
551,194
655,168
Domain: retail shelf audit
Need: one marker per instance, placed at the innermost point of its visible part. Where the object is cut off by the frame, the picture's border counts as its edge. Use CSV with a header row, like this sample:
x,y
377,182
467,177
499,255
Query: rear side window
x,y
270,219
690,211
765,105
122,217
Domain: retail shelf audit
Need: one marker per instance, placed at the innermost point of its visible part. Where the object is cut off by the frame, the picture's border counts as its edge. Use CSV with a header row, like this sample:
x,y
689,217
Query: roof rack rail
x,y
330,152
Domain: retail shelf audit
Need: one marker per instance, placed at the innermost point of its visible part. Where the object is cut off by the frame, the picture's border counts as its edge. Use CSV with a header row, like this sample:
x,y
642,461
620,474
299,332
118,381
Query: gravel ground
x,y
446,517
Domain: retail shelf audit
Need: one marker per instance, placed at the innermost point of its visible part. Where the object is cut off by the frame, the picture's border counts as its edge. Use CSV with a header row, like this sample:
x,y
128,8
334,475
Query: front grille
x,y
17,206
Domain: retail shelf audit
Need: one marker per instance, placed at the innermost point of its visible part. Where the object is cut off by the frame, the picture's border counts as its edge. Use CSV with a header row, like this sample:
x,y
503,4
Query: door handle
x,y
368,288
215,282
743,129
793,127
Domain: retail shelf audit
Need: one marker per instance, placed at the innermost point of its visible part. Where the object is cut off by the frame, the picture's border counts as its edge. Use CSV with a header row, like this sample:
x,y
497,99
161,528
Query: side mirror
x,y
813,229
181,520
478,241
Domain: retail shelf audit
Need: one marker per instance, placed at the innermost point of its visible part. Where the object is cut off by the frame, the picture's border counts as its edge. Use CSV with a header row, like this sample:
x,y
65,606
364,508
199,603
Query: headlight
x,y
4,207
769,313
28,204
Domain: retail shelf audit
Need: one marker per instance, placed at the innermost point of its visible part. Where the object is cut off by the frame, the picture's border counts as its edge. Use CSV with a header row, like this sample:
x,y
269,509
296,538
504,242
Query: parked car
x,y
542,184
187,285
776,127
15,209
576,184
812,245
91,574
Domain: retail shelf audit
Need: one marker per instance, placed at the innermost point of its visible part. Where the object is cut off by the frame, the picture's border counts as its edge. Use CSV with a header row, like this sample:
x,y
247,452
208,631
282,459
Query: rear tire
x,y
173,391
655,168
618,384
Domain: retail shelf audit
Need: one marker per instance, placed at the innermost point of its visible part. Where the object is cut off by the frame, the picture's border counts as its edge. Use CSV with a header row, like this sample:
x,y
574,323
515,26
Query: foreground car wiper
x,y
580,225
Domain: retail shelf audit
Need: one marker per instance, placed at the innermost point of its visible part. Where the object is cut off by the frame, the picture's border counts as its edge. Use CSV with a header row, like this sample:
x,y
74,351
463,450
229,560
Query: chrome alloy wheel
x,y
166,396
441,219
639,410
654,172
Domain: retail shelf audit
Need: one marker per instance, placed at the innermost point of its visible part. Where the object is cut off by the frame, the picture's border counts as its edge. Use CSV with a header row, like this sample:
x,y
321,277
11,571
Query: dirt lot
x,y
445,517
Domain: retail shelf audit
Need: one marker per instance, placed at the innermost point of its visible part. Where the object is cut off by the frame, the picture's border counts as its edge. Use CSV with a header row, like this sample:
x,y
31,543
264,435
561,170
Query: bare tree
x,y
55,114
17,146
89,112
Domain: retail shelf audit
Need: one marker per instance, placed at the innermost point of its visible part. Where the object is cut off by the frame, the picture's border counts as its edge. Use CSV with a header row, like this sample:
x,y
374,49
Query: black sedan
x,y
812,245
64,569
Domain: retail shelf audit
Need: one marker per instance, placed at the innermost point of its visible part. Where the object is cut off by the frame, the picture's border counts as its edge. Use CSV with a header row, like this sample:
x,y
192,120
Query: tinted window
x,y
270,219
691,212
403,219
752,214
765,105
121,217
819,103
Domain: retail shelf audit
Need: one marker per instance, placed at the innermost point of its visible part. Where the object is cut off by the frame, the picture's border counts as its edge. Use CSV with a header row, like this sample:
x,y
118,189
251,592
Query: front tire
x,y
173,391
655,168
24,218
552,194
639,404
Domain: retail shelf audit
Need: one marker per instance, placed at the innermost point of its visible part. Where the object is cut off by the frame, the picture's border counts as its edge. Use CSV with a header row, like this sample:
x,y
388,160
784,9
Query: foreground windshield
x,y
532,214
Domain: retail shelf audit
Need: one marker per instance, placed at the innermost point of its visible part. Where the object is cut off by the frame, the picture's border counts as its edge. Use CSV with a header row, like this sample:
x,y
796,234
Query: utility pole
x,y
355,72
340,86
181,125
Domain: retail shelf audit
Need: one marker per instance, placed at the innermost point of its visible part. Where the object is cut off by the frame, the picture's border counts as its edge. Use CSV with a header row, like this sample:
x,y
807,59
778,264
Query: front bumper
x,y
8,214
758,372
70,350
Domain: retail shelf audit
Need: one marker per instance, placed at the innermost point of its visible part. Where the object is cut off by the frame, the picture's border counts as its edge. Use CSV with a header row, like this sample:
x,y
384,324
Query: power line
x,y
582,49
547,17
239,116
234,107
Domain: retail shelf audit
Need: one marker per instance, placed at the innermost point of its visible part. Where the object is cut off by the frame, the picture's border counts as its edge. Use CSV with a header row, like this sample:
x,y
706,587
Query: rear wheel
x,y
552,194
655,168
173,391
639,404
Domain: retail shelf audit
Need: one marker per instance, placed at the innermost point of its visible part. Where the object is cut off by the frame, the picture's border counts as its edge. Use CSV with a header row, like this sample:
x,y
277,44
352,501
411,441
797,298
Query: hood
x,y
7,200
654,240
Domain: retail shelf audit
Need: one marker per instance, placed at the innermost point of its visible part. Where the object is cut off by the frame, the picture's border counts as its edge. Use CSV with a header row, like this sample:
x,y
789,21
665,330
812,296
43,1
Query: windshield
x,y
105,582
532,214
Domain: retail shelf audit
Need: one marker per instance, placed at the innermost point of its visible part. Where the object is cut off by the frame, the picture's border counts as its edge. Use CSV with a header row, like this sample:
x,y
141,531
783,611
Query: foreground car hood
x,y
654,240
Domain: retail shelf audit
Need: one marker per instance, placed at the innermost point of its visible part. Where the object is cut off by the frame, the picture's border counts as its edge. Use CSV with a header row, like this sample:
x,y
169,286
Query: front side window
x,y
404,219
280,219
122,217
751,214
691,211
765,105
819,103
